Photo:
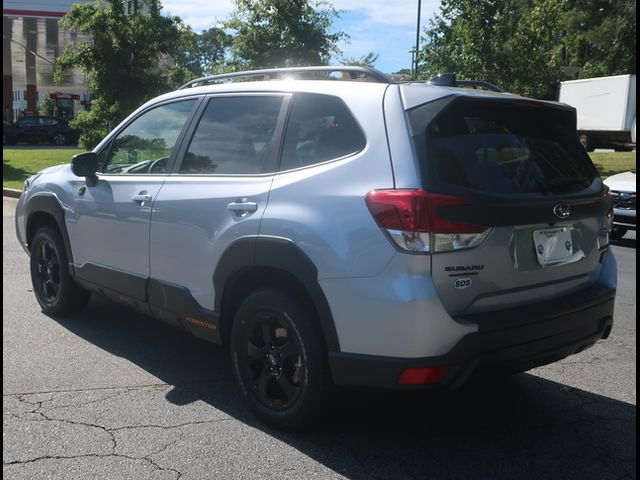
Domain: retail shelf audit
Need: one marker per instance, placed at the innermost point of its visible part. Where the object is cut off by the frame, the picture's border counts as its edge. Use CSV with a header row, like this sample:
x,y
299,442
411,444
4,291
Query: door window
x,y
236,135
145,145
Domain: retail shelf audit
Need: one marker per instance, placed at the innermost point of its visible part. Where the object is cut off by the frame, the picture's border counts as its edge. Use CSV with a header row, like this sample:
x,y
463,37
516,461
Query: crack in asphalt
x,y
39,410
95,455
171,427
124,387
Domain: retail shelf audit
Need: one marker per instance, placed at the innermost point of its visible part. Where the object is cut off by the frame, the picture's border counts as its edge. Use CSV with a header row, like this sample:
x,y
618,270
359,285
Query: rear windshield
x,y
504,148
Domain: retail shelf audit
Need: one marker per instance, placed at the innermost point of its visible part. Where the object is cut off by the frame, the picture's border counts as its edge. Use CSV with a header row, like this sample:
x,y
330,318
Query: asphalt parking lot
x,y
115,395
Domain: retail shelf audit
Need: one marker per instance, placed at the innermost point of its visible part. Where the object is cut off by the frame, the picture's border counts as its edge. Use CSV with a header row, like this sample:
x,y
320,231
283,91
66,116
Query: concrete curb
x,y
11,192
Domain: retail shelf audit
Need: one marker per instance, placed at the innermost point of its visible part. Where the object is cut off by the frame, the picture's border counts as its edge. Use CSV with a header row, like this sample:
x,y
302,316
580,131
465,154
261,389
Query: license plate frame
x,y
553,245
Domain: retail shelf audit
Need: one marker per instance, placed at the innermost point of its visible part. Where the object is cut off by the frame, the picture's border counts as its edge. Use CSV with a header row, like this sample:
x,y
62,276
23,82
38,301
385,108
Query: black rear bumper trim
x,y
542,338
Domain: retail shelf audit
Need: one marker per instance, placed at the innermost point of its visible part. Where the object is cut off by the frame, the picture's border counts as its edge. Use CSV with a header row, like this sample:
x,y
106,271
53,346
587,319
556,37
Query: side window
x,y
320,128
145,145
47,122
235,136
28,122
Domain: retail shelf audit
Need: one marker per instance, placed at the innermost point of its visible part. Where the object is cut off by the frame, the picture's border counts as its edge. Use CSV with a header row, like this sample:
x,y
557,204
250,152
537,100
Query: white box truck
x,y
606,109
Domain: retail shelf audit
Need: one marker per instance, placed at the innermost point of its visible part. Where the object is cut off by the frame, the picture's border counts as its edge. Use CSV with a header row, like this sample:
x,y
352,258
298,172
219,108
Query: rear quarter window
x,y
320,128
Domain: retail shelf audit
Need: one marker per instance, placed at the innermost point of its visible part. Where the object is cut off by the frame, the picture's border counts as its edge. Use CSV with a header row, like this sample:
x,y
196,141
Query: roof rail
x,y
356,73
449,80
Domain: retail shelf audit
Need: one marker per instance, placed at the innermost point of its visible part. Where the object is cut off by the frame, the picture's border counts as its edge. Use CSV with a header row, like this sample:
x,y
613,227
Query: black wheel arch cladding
x,y
49,204
277,254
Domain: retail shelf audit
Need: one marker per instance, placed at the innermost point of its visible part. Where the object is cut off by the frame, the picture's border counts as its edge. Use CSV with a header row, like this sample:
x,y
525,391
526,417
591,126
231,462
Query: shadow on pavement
x,y
521,427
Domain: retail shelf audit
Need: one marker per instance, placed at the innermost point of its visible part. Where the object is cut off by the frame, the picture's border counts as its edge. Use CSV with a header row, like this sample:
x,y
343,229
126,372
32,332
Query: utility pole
x,y
417,40
413,61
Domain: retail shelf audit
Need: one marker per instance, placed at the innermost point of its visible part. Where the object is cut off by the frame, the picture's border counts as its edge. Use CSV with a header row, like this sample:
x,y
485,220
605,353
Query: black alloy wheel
x,y
279,358
53,286
272,364
48,272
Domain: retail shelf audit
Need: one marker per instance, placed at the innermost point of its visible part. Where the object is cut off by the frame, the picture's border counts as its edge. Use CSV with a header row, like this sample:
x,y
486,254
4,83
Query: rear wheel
x,y
279,359
53,286
617,233
59,139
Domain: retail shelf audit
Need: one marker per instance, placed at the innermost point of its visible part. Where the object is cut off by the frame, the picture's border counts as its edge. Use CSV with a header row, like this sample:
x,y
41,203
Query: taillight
x,y
414,221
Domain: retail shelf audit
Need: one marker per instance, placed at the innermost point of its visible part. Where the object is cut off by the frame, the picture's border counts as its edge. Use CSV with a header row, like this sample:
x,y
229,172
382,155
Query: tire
x,y
623,149
53,286
279,359
617,233
59,139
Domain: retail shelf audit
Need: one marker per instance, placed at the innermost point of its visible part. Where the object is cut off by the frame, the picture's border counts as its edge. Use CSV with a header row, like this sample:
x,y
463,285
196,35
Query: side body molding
x,y
278,254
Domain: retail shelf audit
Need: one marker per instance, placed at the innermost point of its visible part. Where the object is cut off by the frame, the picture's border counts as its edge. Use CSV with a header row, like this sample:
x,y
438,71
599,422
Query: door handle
x,y
242,209
141,198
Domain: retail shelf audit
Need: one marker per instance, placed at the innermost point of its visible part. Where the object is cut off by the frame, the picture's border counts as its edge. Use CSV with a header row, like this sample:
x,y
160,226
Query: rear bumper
x,y
511,340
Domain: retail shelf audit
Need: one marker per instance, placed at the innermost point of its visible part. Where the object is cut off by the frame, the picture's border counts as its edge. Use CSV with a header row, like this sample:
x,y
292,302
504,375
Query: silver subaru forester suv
x,y
331,226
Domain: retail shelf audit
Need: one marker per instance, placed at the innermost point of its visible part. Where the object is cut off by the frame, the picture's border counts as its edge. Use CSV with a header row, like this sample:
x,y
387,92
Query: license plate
x,y
553,245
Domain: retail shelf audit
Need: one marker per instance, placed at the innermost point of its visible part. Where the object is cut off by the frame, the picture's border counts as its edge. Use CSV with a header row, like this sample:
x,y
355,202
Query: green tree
x,y
600,37
510,43
280,33
368,60
523,45
212,45
47,106
135,54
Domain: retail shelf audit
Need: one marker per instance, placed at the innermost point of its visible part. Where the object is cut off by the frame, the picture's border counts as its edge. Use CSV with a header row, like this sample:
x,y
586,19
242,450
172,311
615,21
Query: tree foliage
x,y
503,42
600,36
47,106
135,54
368,60
280,33
524,45
211,46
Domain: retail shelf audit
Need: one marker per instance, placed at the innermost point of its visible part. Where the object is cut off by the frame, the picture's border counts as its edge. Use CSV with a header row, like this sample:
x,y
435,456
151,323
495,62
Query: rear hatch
x,y
528,214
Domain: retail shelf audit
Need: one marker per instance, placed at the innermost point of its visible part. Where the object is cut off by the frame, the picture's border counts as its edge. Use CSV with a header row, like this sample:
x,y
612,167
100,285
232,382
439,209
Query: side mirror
x,y
86,165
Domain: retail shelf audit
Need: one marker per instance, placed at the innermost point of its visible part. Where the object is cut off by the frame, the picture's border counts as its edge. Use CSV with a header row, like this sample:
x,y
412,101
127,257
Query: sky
x,y
385,27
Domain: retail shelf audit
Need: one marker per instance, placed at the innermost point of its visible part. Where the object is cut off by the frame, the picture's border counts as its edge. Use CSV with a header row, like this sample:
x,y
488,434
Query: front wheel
x,y
53,286
279,359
